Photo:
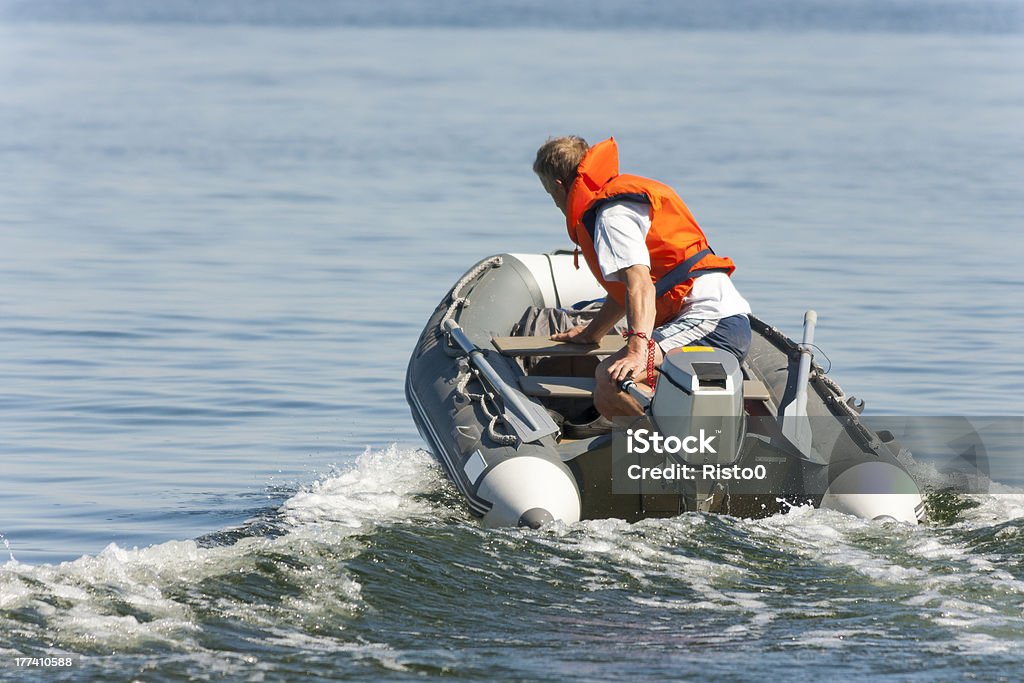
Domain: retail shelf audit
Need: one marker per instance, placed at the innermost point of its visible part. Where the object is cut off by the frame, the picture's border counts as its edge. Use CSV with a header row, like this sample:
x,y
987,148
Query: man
x,y
647,251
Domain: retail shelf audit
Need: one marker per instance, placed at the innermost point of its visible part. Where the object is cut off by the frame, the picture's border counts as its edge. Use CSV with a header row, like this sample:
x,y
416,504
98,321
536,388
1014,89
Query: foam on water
x,y
383,486
1004,503
313,580
134,599
932,571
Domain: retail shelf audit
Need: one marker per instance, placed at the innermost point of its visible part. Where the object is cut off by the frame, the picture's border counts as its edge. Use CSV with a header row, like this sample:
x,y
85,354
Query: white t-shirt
x,y
620,241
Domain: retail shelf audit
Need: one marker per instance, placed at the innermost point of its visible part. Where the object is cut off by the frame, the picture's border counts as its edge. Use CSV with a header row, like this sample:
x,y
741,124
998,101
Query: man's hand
x,y
580,334
635,363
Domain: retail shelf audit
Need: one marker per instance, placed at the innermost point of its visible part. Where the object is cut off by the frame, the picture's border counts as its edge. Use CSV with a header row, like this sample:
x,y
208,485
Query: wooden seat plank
x,y
557,387
543,346
583,387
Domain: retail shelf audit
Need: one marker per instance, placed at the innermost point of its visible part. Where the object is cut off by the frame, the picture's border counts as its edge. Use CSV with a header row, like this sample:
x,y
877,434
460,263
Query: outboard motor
x,y
700,394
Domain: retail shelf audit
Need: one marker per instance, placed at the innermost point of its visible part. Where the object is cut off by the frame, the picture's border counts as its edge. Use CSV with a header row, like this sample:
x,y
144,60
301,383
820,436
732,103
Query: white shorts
x,y
682,331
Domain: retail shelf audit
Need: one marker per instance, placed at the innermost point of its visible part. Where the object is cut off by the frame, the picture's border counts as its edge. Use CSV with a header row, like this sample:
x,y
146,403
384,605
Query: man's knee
x,y
604,390
602,381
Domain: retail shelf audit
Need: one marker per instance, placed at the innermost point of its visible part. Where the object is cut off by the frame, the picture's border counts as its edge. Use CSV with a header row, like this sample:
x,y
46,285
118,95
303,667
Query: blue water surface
x,y
223,225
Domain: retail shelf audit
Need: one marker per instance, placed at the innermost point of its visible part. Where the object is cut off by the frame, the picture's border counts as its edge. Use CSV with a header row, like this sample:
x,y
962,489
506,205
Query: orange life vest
x,y
677,245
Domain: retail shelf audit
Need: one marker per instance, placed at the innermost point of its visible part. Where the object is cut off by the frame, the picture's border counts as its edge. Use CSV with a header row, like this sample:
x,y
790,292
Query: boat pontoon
x,y
488,390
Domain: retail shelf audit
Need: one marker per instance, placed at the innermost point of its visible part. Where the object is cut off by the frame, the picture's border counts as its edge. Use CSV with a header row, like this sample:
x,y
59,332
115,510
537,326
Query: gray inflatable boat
x,y
488,391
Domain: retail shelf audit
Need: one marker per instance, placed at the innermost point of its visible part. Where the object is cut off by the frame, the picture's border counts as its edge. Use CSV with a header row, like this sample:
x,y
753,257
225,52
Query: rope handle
x,y
651,378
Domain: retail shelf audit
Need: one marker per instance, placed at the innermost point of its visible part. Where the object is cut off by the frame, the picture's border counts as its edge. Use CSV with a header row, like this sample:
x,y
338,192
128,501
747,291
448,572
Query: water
x,y
223,226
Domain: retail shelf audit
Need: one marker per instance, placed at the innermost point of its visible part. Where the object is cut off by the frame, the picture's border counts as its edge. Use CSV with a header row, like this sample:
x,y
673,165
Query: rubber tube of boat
x,y
530,422
795,425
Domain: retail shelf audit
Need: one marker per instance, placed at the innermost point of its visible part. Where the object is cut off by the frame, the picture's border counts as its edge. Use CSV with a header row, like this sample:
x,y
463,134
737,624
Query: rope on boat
x,y
466,373
833,386
835,394
459,301
838,396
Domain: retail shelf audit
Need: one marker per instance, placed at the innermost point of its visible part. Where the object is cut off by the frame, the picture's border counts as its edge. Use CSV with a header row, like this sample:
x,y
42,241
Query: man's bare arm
x,y
640,315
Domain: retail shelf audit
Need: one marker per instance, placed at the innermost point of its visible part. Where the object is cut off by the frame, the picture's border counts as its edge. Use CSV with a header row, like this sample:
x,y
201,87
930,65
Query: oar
x,y
795,425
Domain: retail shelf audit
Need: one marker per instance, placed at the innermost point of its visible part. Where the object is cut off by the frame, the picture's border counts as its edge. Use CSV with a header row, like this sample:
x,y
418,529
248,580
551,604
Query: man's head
x,y
556,164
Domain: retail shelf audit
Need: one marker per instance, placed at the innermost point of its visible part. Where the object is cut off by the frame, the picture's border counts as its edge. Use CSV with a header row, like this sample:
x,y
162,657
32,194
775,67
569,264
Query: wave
x,y
166,597
368,565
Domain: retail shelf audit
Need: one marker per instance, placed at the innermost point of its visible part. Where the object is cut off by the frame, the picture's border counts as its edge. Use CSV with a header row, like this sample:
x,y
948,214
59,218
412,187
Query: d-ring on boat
x,y
486,397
